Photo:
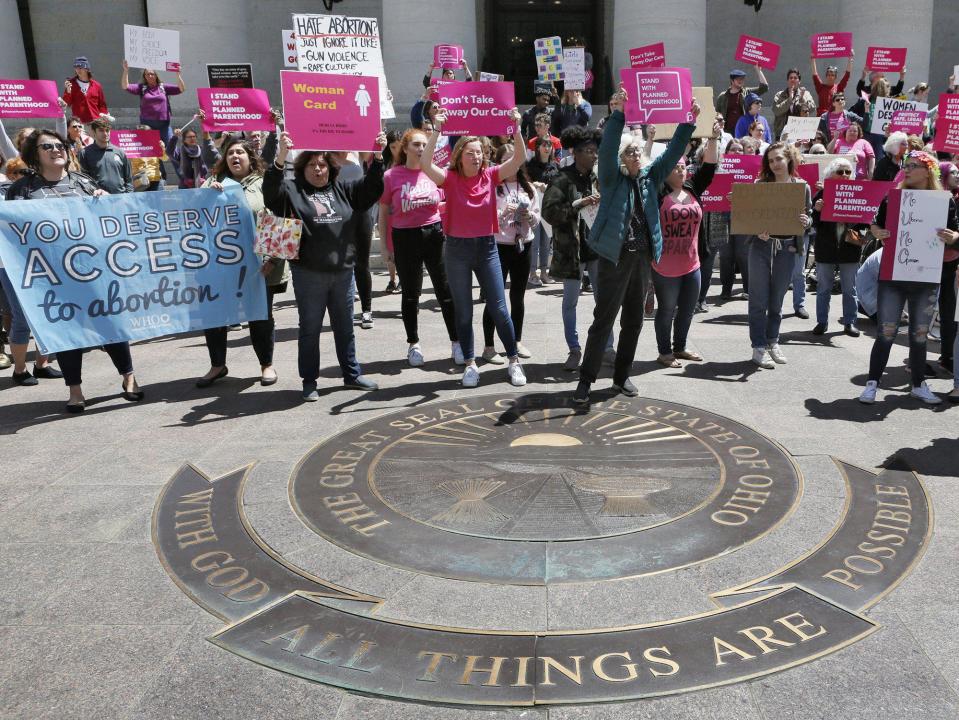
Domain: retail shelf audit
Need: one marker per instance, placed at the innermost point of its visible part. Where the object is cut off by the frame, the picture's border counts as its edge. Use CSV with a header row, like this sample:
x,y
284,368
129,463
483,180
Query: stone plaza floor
x,y
91,626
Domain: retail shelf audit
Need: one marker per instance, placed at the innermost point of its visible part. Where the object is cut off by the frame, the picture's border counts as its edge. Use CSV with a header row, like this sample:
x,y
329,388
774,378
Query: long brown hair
x,y
457,156
222,169
521,175
306,157
766,174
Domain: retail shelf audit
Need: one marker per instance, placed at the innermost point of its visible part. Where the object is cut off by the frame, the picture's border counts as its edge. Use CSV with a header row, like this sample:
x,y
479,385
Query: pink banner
x,y
716,196
235,109
477,108
138,143
331,112
658,96
435,85
886,59
754,51
810,173
648,56
29,99
447,56
852,201
831,45
947,124
911,122
743,168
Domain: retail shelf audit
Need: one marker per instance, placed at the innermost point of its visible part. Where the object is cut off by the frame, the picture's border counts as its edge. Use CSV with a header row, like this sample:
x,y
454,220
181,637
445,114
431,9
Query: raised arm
x,y
433,172
179,82
664,164
512,166
125,75
761,76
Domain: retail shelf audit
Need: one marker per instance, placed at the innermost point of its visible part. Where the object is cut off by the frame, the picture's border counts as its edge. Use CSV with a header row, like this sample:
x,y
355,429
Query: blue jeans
x,y
315,292
163,126
571,292
674,296
799,276
893,297
465,256
768,279
19,329
847,278
541,249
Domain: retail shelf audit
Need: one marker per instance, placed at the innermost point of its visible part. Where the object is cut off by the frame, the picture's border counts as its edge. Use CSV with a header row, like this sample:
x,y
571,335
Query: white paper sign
x,y
884,108
588,214
801,128
489,77
342,45
823,161
289,49
151,48
918,250
574,68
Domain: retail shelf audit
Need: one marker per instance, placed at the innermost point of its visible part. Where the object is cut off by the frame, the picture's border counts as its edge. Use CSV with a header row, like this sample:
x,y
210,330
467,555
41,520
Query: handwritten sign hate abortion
x,y
340,45
131,267
755,51
478,108
947,124
831,45
448,57
886,107
648,56
29,99
138,143
331,112
658,96
913,252
886,59
852,201
235,109
151,48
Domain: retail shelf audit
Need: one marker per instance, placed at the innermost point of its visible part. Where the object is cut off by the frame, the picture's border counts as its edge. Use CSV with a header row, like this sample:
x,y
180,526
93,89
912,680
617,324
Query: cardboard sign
x,y
549,58
768,207
345,46
574,68
755,51
138,143
235,109
852,201
663,95
331,112
716,196
885,107
913,252
831,45
151,48
490,77
886,59
809,172
801,128
732,169
448,57
947,124
235,75
29,99
477,108
289,49
704,123
648,56
823,161
911,122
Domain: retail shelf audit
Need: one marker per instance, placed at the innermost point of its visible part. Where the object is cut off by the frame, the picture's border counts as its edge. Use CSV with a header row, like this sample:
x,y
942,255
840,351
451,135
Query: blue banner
x,y
92,271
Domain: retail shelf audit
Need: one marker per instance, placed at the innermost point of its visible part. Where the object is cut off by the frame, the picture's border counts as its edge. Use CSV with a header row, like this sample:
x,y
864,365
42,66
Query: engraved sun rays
x,y
470,506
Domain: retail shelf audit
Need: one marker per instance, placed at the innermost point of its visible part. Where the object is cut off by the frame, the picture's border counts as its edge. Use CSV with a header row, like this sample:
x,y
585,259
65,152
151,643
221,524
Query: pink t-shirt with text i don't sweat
x,y
471,203
680,225
413,198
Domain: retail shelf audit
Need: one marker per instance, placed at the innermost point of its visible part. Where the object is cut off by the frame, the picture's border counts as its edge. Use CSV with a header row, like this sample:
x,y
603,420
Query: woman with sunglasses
x,y
921,173
833,123
45,151
832,253
853,142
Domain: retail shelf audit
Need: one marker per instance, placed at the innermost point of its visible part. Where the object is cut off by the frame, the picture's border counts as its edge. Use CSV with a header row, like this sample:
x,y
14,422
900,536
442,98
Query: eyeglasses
x,y
76,127
913,166
843,172
50,147
631,152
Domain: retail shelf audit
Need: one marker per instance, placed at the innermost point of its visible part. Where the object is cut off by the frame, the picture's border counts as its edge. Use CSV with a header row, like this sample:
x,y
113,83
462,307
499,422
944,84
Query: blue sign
x,y
91,271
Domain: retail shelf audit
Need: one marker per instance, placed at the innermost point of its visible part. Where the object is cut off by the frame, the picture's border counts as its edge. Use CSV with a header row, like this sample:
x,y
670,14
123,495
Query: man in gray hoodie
x,y
105,163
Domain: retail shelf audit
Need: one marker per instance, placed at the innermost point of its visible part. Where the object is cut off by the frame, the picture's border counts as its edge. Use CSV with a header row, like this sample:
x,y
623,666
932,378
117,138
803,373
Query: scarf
x,y
192,169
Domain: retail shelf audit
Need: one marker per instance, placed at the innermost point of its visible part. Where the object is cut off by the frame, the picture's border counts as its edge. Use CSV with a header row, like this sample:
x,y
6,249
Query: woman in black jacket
x,y
330,211
832,252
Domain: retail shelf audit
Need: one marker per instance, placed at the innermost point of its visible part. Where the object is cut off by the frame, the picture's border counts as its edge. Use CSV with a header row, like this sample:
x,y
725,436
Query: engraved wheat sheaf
x,y
470,507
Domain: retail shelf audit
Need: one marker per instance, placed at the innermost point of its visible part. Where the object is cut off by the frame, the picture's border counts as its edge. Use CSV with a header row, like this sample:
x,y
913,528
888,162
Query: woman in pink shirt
x,y
471,224
853,142
410,210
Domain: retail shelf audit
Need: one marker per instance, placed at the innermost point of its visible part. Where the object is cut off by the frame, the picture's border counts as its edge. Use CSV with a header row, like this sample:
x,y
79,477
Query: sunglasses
x,y
844,172
50,147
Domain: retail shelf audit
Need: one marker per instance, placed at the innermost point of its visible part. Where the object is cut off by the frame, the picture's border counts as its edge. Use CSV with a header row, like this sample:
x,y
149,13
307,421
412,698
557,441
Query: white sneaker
x,y
458,358
776,354
926,395
516,375
762,359
868,396
366,321
470,376
523,351
415,356
492,357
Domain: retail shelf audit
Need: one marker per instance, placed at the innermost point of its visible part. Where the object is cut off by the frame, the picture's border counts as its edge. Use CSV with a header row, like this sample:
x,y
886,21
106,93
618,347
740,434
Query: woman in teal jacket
x,y
627,238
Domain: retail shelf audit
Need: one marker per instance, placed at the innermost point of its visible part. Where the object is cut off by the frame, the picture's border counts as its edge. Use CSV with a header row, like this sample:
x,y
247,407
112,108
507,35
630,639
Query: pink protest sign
x,y
716,196
810,173
658,96
911,122
886,59
947,124
852,201
29,99
648,56
138,143
331,112
235,109
831,45
477,108
434,88
447,56
743,168
754,51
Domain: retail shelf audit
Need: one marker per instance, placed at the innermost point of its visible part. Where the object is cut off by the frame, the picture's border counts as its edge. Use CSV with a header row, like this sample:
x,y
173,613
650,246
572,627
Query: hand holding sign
x,y
662,95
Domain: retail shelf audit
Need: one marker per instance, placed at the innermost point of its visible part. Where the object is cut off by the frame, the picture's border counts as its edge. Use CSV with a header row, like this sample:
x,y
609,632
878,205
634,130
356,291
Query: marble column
x,y
13,59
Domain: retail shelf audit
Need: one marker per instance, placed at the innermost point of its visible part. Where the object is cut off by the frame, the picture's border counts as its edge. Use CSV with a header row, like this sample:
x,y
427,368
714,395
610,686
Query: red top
x,y
825,92
534,141
89,105
471,203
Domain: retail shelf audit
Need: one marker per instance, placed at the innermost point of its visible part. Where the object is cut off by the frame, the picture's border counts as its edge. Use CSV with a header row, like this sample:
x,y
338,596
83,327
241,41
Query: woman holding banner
x,y
240,163
45,151
330,210
471,225
921,173
155,110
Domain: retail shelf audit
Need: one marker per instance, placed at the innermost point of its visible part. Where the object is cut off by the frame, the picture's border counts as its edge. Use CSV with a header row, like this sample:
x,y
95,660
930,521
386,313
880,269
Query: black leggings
x,y
71,361
412,249
261,336
947,309
515,266
361,271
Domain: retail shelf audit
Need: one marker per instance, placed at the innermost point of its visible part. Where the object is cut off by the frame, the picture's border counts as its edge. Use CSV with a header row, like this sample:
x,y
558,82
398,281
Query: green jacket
x,y
569,252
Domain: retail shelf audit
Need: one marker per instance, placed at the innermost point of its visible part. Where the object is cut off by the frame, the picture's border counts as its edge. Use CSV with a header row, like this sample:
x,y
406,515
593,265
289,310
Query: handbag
x,y
854,237
277,237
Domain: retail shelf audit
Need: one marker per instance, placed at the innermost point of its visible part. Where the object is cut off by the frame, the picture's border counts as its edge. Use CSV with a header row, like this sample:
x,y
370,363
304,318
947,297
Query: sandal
x,y
688,355
669,361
